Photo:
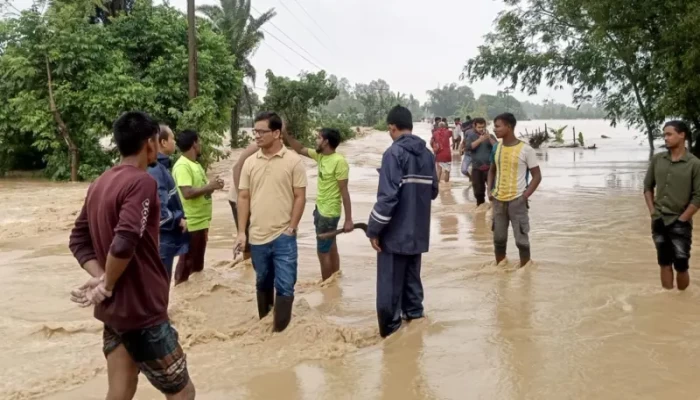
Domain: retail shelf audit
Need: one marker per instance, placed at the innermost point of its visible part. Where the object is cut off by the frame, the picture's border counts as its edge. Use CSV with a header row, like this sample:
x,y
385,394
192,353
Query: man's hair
x,y
506,118
458,119
438,119
186,139
164,132
444,119
400,117
274,122
469,118
479,121
332,135
680,127
132,130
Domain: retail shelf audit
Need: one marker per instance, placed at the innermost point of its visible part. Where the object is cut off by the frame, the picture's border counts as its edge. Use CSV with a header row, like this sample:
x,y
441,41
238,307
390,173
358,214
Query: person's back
x,y
443,149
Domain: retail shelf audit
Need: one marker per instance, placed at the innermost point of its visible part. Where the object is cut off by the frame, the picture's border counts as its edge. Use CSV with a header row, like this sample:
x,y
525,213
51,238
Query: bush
x,y
341,124
381,126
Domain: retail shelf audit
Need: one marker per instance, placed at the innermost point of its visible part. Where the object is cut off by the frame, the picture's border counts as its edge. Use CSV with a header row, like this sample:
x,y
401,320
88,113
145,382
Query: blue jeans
x,y
275,265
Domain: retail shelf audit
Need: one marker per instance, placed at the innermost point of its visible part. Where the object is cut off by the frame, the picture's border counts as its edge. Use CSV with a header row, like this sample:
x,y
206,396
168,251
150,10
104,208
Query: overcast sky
x,y
362,40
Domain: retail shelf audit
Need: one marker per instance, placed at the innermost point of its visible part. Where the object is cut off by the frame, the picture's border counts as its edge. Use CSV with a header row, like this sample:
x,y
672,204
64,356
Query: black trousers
x,y
399,289
479,180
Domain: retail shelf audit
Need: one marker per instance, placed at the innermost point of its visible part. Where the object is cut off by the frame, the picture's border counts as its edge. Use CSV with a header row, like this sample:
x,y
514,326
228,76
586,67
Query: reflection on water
x,y
586,321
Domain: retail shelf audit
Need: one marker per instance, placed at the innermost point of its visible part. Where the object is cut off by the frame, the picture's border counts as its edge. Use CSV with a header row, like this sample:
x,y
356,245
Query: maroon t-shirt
x,y
121,216
441,145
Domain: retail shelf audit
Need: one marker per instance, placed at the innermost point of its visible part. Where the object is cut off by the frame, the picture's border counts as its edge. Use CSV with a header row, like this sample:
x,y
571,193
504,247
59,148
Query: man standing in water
x,y
333,173
115,239
195,192
173,225
272,192
675,176
443,151
480,143
457,134
399,224
510,188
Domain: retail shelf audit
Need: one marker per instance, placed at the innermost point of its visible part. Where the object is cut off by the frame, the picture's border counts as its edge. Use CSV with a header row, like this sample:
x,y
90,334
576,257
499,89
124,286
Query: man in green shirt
x,y
195,192
675,175
333,171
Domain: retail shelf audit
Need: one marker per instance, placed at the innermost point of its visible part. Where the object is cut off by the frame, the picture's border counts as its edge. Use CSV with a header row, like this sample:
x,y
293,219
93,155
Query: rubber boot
x,y
266,300
283,312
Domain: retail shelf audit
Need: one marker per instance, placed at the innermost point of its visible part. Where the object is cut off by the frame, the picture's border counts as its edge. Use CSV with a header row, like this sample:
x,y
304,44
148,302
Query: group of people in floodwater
x,y
141,214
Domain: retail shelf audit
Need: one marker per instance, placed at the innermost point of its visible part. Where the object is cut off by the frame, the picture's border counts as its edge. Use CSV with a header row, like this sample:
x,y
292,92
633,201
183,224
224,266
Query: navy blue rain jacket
x,y
407,185
172,239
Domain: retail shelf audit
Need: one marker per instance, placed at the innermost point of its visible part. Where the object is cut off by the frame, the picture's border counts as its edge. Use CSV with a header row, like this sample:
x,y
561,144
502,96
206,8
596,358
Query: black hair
x,y
507,118
458,119
274,122
132,130
680,127
469,118
400,117
164,132
332,135
186,139
444,119
478,121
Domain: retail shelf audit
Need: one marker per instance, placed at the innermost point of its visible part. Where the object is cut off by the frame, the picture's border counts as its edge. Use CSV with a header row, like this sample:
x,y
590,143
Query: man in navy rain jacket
x,y
174,240
399,224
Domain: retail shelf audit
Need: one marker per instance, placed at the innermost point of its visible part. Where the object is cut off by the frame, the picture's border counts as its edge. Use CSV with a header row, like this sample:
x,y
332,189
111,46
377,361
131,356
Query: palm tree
x,y
244,35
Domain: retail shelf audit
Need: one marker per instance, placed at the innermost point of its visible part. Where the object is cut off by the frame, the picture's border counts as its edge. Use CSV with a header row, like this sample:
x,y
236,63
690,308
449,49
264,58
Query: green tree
x,y
296,100
449,100
244,35
603,48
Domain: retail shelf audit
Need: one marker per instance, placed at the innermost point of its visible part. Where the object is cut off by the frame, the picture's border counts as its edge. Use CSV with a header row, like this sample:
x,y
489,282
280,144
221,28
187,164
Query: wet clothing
x,y
323,225
673,243
481,156
198,210
399,290
466,164
515,213
331,169
441,145
407,185
446,166
400,220
157,353
275,265
173,241
677,184
193,260
513,165
479,182
121,216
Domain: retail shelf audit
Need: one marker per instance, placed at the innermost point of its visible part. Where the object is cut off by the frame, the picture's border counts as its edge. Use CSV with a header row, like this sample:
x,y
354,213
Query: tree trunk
x,y
192,47
235,125
62,128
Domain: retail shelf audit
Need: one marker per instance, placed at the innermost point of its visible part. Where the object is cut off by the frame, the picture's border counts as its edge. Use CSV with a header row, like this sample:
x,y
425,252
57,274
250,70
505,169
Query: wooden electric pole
x,y
192,47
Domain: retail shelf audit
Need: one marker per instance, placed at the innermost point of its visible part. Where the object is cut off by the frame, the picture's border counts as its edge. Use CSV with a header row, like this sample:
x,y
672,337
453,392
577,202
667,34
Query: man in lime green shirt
x,y
333,171
195,192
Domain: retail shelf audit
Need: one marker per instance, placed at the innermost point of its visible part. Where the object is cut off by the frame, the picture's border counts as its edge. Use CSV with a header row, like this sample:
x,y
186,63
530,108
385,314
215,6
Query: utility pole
x,y
192,47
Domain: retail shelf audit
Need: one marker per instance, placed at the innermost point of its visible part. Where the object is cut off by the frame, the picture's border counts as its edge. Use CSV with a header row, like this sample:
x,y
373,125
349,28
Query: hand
x,y
526,196
681,220
239,244
183,225
375,244
291,231
92,292
216,184
348,226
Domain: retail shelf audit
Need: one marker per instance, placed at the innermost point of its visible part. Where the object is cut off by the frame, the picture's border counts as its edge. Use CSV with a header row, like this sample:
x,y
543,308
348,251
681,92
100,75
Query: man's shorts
x,y
234,209
157,353
323,225
447,166
673,243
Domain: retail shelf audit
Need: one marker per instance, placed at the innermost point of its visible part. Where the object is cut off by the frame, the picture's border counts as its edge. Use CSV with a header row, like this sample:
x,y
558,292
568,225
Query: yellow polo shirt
x,y
271,182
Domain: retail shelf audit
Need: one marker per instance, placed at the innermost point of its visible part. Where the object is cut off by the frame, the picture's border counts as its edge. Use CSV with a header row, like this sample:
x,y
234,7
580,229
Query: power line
x,y
287,36
281,56
311,18
295,52
302,24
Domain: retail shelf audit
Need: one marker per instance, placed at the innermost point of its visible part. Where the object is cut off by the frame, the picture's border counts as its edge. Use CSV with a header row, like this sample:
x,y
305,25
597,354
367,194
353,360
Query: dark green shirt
x,y
677,185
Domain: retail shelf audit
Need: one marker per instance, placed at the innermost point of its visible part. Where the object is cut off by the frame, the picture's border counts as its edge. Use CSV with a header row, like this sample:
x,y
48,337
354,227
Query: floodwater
x,y
587,321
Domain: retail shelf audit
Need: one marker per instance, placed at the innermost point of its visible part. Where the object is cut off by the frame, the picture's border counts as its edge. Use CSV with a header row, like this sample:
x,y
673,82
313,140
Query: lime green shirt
x,y
197,211
331,169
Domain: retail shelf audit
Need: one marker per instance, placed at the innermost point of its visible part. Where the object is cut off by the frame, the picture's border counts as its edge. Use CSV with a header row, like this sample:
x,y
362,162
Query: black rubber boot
x,y
266,299
283,312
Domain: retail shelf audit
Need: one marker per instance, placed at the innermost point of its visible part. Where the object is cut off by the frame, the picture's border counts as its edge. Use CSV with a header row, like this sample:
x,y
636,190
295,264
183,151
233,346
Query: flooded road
x,y
587,321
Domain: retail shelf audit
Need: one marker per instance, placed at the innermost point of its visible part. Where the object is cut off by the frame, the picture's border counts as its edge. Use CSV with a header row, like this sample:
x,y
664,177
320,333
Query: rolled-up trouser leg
x,y
500,227
520,219
412,301
391,273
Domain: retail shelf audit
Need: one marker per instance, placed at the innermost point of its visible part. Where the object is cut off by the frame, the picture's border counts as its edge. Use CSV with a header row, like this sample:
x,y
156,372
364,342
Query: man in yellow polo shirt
x,y
272,192
333,173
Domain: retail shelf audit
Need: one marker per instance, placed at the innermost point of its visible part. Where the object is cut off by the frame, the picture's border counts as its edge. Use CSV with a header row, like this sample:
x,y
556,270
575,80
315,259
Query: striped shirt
x,y
513,165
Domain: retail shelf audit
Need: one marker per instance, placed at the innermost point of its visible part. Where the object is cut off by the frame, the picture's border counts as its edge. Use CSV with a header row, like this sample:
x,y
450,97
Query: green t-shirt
x,y
331,169
197,211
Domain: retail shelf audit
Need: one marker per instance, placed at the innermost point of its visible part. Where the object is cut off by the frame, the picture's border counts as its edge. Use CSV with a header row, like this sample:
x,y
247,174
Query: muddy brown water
x,y
587,321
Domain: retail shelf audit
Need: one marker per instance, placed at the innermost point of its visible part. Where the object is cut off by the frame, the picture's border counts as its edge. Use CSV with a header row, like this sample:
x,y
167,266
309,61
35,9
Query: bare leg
x,y
187,393
682,280
667,276
439,172
122,375
447,176
335,257
326,261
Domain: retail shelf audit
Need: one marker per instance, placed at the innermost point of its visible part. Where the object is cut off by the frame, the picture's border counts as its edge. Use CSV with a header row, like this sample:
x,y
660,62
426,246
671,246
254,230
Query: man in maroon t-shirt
x,y
442,148
115,239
